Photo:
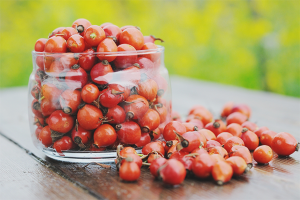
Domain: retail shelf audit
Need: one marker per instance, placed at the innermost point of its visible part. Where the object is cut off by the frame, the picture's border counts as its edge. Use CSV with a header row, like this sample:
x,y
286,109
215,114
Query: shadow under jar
x,y
83,105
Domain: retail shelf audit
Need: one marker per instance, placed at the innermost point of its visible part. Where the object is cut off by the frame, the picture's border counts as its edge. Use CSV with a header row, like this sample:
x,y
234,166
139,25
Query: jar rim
x,y
159,49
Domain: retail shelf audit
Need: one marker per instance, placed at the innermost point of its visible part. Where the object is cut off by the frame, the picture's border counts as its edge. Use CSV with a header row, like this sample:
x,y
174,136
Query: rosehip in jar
x,y
128,132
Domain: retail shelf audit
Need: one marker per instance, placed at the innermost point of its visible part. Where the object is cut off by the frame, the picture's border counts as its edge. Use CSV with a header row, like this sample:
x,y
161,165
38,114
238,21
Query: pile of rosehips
x,y
97,87
204,147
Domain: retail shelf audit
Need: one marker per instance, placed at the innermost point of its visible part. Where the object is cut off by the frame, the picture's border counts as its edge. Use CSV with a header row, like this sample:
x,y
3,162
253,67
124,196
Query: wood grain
x,y
24,178
278,180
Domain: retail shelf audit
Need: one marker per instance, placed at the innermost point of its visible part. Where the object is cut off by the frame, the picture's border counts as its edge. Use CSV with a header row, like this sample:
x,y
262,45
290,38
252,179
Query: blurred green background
x,y
252,44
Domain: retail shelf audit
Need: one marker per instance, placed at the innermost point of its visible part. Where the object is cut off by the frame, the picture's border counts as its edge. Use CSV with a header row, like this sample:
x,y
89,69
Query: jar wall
x,y
133,83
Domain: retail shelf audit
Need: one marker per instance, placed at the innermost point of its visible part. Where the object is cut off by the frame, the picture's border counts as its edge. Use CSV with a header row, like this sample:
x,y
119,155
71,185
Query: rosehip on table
x,y
216,127
284,144
172,172
263,154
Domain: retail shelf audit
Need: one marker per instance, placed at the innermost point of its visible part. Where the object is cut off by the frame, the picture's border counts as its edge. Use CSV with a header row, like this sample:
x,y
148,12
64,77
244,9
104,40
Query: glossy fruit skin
x,y
218,150
113,31
124,90
209,135
45,136
101,73
155,134
173,172
70,100
137,105
153,146
76,44
69,60
107,45
56,44
152,56
148,89
145,139
222,172
201,138
76,78
200,151
129,132
242,108
116,114
193,140
243,152
250,139
223,137
236,117
110,98
152,157
84,135
212,143
149,121
216,127
171,127
198,123
127,150
250,126
104,135
190,127
122,62
129,171
51,92
48,107
203,114
263,154
89,117
235,129
40,44
156,164
232,141
137,159
238,164
56,31
226,110
87,59
284,144
81,22
202,166
132,36
260,131
93,35
89,93
187,161
266,138
60,122
68,32
63,144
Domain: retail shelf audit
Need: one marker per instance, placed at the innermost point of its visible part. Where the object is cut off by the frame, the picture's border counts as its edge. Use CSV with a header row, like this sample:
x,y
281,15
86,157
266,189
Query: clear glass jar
x,y
66,111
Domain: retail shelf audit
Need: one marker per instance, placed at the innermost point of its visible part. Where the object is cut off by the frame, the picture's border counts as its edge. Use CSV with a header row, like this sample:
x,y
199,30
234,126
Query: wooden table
x,y
25,173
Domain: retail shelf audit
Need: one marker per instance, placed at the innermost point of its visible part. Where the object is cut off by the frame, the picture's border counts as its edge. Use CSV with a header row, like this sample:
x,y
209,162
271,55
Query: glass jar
x,y
82,105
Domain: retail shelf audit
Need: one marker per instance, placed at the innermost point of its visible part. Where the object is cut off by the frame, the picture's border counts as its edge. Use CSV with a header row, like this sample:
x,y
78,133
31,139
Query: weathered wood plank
x,y
280,179
21,177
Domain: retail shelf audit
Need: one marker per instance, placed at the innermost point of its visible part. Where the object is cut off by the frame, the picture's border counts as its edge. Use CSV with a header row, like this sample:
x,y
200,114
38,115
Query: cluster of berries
x,y
97,87
203,147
